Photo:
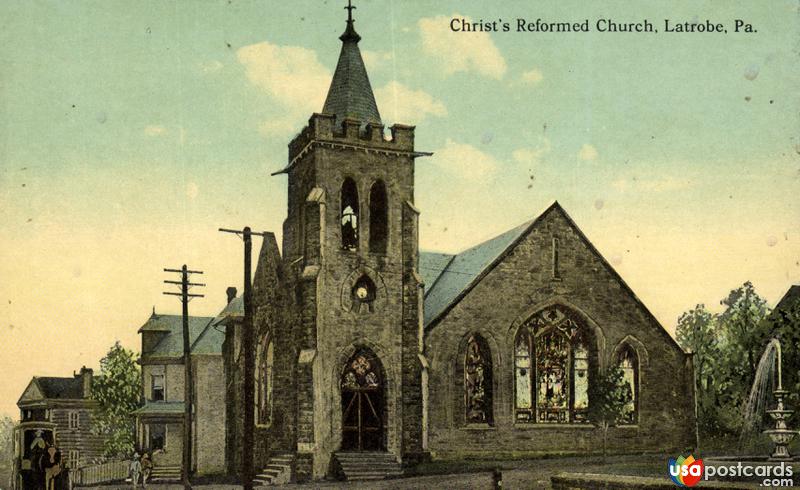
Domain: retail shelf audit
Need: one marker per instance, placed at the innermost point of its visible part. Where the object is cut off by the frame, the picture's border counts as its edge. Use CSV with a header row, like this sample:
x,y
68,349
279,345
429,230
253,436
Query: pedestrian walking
x,y
135,469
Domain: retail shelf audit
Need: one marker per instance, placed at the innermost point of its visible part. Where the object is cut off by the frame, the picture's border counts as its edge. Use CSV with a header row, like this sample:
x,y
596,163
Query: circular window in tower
x,y
364,293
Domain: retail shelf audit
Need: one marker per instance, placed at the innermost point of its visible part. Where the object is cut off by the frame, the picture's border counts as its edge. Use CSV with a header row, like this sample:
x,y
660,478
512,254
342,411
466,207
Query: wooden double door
x,y
363,403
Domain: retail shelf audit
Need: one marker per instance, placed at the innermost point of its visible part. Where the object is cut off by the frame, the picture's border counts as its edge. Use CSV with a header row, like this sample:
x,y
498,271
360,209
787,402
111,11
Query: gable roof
x,y
452,275
475,263
172,343
791,296
52,388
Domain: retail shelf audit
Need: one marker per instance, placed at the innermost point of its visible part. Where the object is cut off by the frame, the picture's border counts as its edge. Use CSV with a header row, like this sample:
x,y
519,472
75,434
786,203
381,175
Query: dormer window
x,y
349,216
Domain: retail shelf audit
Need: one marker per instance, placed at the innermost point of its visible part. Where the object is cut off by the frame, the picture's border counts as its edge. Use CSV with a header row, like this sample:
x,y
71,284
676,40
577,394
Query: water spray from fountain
x,y
763,383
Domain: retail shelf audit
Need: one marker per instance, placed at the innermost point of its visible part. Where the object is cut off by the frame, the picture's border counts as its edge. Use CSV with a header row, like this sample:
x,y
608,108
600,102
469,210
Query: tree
x,y
118,390
6,451
744,336
609,393
697,332
784,324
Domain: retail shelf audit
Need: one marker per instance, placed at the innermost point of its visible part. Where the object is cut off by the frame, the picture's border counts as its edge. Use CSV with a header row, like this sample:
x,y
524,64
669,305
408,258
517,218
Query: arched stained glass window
x,y
263,377
629,363
478,382
551,369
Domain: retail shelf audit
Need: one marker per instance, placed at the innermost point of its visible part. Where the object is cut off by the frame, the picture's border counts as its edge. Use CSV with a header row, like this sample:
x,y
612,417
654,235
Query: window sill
x,y
544,426
264,426
478,427
627,426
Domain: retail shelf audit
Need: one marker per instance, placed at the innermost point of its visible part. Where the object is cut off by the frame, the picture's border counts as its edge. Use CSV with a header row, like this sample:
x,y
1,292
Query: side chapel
x,y
370,350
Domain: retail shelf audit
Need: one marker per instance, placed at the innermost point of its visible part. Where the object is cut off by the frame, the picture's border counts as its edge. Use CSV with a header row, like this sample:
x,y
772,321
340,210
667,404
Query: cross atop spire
x,y
350,33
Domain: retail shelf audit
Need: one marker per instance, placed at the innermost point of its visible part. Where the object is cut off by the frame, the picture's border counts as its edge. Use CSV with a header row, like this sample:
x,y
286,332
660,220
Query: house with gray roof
x,y
160,419
60,411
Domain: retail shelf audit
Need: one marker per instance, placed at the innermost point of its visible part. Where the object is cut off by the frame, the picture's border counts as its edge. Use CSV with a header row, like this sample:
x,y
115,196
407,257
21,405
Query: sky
x,y
130,132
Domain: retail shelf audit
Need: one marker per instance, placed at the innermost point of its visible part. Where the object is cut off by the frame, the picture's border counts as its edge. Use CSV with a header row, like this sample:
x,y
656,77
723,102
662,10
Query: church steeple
x,y
350,94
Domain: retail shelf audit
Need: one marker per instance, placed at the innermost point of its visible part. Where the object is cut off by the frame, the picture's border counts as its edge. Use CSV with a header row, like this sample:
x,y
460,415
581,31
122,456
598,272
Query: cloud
x,y
155,130
399,103
532,77
587,153
291,75
211,66
376,59
460,51
465,160
531,156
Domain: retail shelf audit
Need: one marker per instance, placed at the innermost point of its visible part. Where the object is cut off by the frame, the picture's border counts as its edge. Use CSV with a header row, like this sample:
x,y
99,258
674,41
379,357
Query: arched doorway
x,y
363,402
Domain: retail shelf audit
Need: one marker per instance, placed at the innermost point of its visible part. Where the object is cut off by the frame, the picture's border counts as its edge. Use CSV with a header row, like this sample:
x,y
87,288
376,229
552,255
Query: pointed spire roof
x,y
350,94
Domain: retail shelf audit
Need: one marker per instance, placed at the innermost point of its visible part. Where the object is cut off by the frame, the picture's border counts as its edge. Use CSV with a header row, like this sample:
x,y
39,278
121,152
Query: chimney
x,y
231,292
86,378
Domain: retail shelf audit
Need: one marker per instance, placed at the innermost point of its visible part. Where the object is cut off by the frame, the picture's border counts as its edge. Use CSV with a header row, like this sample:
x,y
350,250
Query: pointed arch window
x,y
349,216
478,382
551,370
263,377
378,218
628,362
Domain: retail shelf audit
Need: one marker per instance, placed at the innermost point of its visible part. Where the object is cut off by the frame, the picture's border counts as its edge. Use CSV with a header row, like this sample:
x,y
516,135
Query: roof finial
x,y
350,33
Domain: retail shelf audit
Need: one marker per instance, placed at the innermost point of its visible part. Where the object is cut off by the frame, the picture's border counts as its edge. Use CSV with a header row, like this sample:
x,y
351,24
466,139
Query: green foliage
x,y
726,350
118,390
784,323
6,451
698,333
743,340
609,393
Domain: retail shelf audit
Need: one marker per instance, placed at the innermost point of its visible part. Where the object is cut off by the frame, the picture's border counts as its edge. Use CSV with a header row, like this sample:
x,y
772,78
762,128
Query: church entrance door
x,y
363,403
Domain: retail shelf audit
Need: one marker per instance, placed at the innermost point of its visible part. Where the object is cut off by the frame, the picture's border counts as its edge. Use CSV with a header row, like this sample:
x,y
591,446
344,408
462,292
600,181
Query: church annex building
x,y
371,350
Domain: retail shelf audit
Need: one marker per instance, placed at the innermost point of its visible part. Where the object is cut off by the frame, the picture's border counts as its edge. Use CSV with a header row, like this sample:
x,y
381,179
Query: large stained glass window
x,y
263,377
629,364
551,369
478,382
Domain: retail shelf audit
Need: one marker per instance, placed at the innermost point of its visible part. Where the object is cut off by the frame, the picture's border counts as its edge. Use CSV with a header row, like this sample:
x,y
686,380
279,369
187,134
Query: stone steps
x,y
365,466
165,474
278,471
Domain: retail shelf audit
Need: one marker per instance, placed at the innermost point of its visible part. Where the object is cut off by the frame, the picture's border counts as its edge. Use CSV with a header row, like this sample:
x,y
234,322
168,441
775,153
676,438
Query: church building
x,y
373,356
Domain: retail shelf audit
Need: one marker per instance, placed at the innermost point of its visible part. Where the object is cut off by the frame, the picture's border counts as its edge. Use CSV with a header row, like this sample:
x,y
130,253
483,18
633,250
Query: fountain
x,y
781,435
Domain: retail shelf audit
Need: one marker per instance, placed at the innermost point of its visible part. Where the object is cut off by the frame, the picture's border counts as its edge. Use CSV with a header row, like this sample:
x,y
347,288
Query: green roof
x,y
172,343
448,276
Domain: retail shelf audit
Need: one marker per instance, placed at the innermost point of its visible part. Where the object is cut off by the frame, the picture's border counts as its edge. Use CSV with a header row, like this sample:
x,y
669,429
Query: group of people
x,y
140,465
45,463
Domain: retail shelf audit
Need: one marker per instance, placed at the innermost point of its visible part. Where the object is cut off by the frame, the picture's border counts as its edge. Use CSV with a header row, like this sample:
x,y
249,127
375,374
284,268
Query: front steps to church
x,y
278,471
163,474
361,466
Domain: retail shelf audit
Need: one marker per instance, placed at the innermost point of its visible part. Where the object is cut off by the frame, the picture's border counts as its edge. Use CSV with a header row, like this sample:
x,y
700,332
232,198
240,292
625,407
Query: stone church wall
x,y
505,298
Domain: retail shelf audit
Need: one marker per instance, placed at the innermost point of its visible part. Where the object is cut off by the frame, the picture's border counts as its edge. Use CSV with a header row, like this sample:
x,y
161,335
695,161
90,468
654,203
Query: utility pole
x,y
188,392
249,358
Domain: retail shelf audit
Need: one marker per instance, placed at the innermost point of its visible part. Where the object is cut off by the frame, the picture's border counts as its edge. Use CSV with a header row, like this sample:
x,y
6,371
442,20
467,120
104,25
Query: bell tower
x,y
351,247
